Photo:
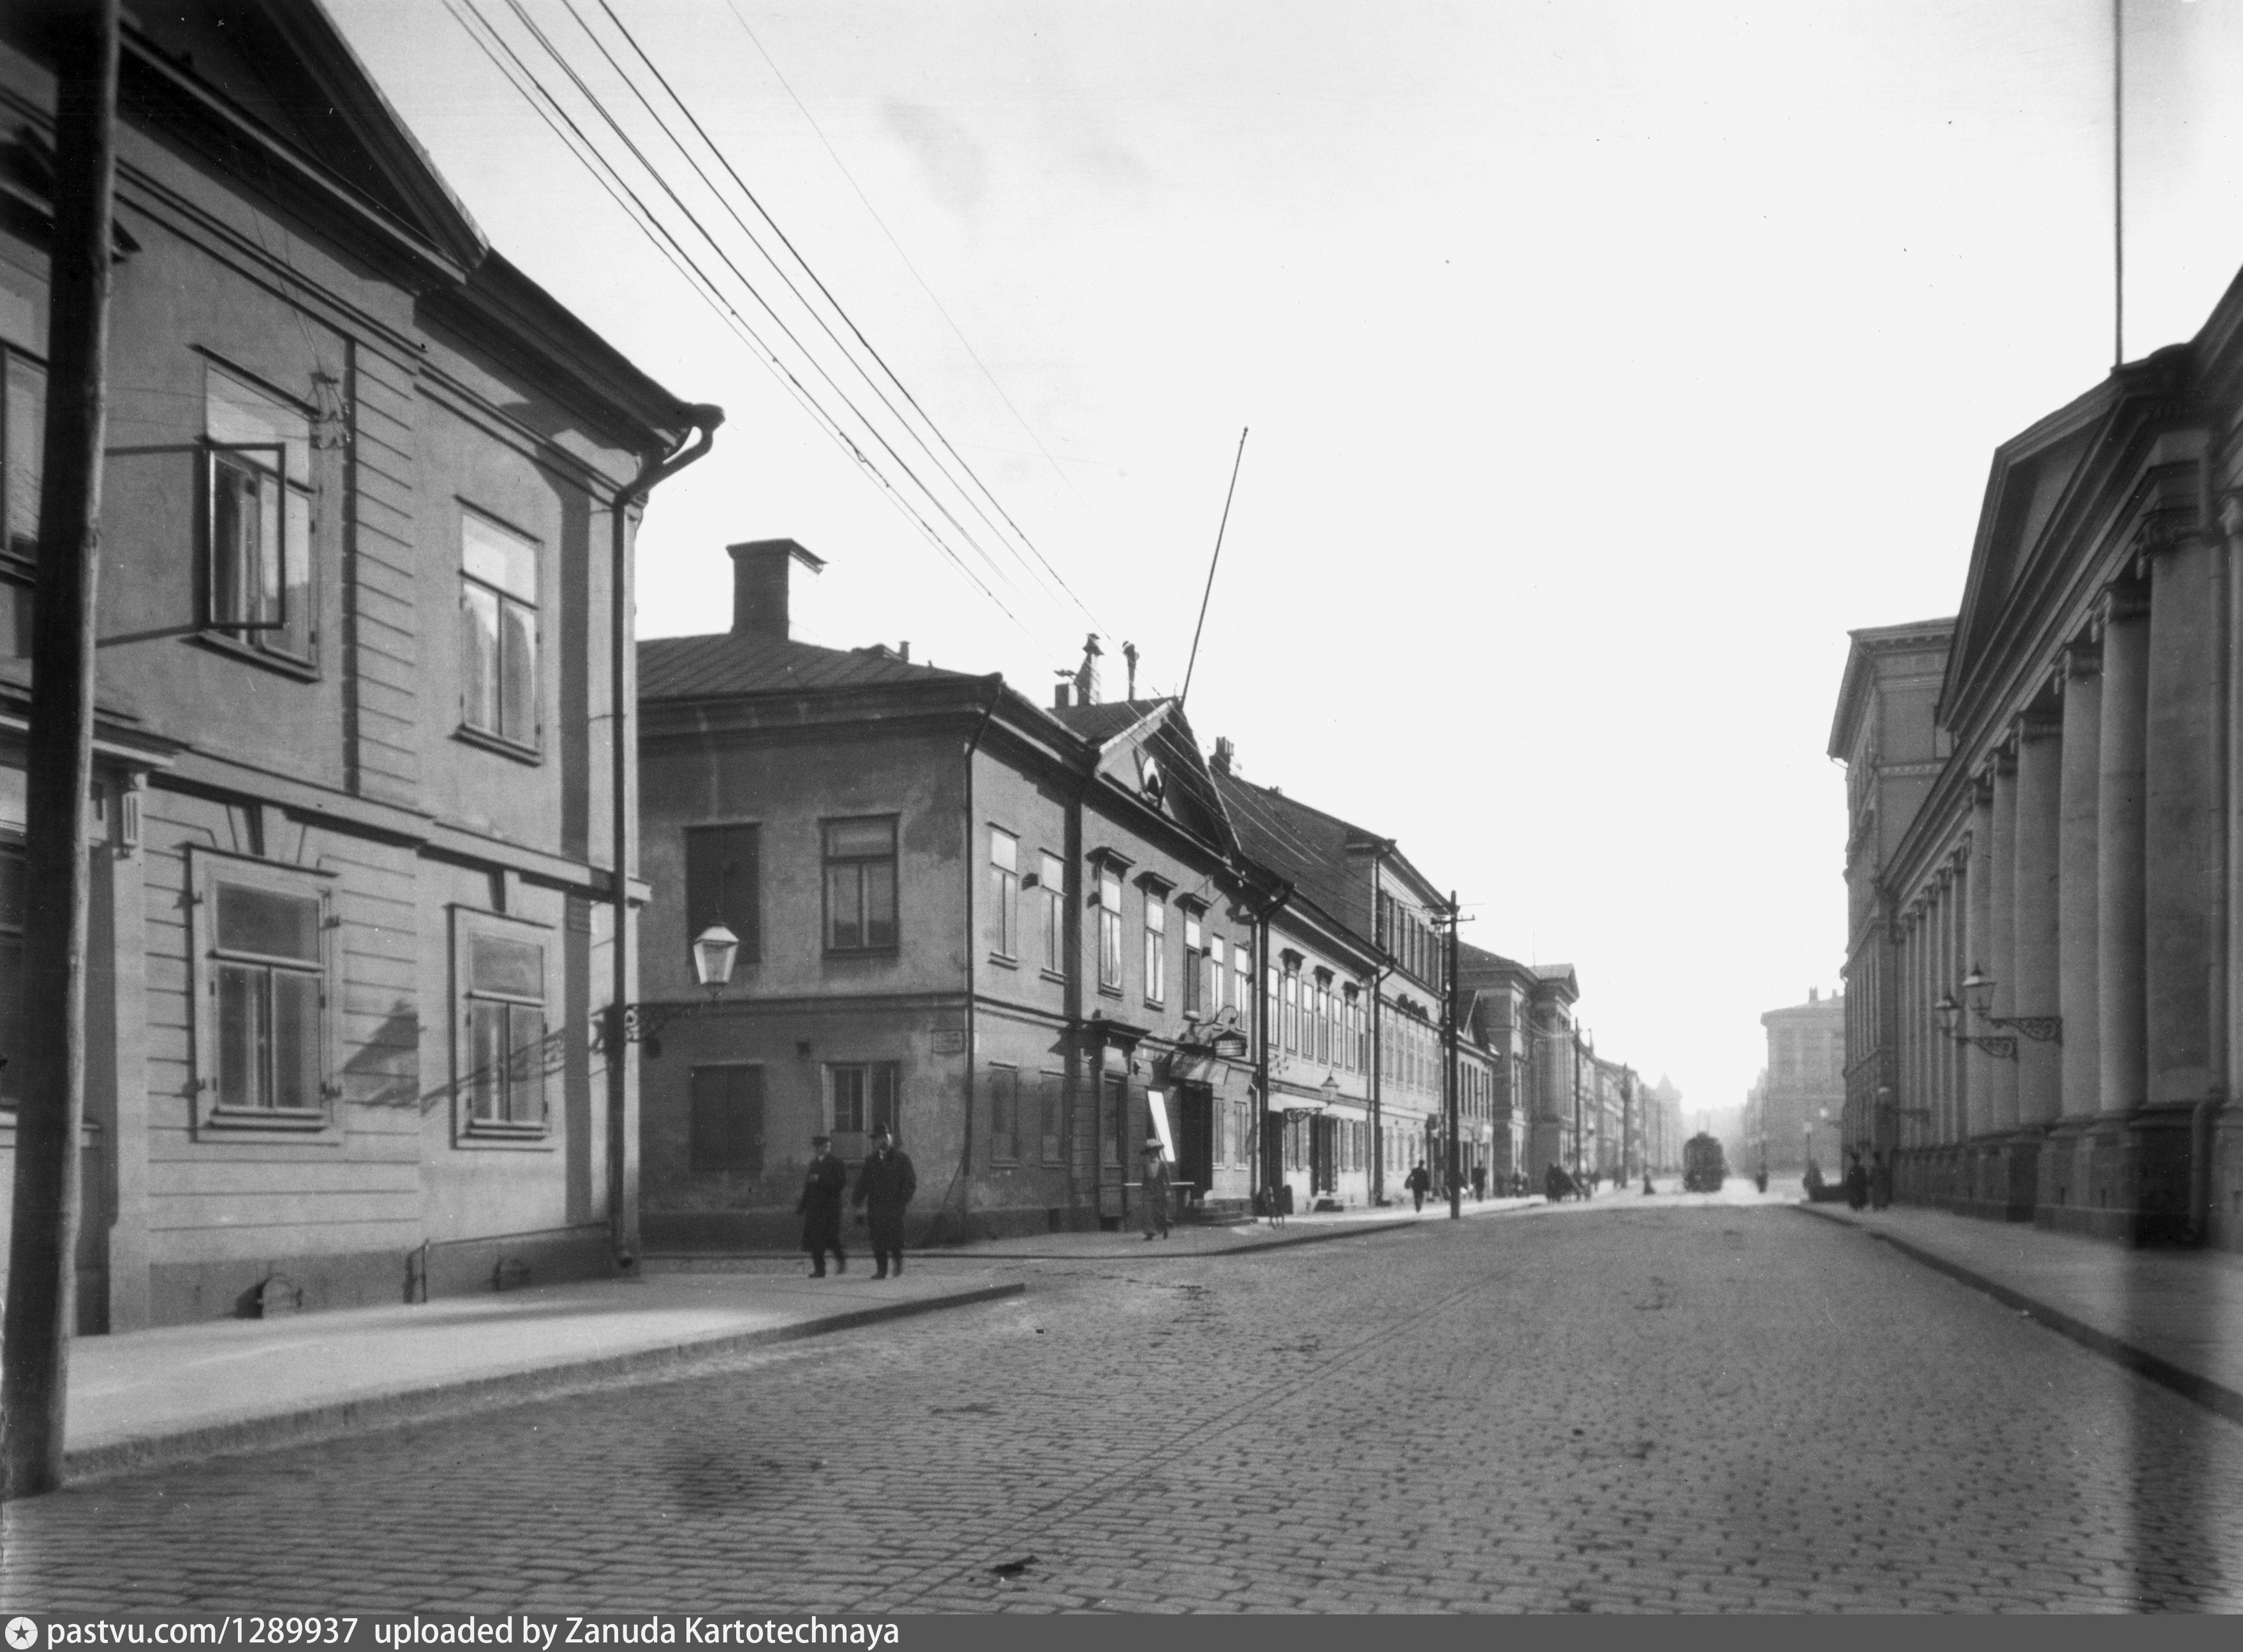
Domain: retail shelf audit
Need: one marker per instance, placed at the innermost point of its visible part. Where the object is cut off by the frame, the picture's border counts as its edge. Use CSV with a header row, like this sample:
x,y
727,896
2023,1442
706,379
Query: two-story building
x,y
1015,934
366,534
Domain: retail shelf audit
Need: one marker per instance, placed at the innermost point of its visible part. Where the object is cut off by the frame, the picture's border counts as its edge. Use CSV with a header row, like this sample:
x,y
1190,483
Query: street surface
x,y
1640,1404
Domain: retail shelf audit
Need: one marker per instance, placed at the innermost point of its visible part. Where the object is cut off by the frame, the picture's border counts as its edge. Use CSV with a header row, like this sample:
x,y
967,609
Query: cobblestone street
x,y
1749,1410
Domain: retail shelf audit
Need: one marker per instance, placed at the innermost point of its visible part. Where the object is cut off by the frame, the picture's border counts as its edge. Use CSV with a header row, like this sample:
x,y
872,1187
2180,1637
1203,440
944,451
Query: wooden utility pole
x,y
41,1282
1449,1047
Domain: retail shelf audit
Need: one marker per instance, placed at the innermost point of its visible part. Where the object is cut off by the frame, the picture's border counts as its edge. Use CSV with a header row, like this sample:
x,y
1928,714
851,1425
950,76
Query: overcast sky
x,y
1604,363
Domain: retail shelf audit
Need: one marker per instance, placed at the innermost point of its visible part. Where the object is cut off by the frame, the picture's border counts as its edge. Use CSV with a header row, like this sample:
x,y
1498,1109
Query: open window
x,y
258,519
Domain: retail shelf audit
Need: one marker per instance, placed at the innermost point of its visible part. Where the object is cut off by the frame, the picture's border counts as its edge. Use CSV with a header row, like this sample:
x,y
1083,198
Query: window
x,y
1323,1021
864,1100
12,968
1156,948
1242,963
1053,1112
1004,894
257,545
261,993
727,1123
1109,929
508,1056
860,885
1053,882
1270,1005
1193,964
724,885
1216,969
498,632
1003,1115
23,434
1291,1010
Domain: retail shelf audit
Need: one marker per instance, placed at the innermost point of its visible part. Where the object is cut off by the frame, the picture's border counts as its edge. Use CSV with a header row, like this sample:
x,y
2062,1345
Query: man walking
x,y
820,1207
1155,1189
1555,1182
885,1185
1418,1182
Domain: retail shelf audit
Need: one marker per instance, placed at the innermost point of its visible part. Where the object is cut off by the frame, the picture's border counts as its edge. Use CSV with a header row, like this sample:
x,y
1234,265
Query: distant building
x,y
1801,1115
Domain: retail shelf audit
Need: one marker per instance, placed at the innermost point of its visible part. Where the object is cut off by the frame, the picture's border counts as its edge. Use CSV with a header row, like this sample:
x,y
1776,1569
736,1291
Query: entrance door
x,y
1323,1155
1194,1123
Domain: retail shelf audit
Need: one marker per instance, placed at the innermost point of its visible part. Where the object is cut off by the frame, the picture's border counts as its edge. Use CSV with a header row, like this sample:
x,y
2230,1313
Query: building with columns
x,y
2061,982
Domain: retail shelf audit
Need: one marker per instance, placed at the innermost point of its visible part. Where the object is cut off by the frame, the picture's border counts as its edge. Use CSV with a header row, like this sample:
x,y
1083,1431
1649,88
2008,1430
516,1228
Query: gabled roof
x,y
1870,644
1304,846
1102,723
707,667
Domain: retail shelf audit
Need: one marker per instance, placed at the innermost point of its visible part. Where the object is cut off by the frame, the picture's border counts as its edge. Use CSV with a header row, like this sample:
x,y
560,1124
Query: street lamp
x,y
1978,993
714,948
1950,1015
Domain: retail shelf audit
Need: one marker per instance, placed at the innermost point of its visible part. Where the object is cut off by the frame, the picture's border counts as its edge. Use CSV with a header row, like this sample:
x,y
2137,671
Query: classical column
x,y
2124,1080
2184,896
1999,959
2033,946
2078,937
1979,1103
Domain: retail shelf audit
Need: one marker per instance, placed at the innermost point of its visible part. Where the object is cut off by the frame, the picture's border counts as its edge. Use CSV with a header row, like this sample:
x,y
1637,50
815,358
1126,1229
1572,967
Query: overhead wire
x,y
600,108
956,330
818,282
587,154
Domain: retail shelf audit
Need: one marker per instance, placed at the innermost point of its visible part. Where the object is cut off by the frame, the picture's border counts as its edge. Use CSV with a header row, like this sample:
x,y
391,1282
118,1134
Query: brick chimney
x,y
760,571
1225,755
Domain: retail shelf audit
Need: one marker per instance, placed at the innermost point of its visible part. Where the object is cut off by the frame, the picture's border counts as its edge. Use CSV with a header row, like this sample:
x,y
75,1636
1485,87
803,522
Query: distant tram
x,y
1702,1166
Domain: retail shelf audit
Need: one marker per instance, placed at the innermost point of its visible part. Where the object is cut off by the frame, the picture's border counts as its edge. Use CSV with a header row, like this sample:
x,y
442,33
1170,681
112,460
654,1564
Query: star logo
x,y
22,1633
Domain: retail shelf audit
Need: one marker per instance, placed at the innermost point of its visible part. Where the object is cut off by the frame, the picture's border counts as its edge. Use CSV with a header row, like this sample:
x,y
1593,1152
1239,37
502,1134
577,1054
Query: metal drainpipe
x,y
996,682
622,598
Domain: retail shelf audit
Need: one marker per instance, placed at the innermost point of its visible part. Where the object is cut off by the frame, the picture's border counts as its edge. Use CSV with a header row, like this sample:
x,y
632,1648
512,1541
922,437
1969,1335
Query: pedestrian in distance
x,y
886,1183
1479,1183
1880,1181
820,1207
1858,1184
1417,1182
1555,1182
1156,1190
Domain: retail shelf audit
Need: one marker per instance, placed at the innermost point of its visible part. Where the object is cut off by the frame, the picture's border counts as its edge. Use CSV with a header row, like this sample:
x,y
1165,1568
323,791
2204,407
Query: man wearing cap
x,y
1155,1189
820,1207
886,1183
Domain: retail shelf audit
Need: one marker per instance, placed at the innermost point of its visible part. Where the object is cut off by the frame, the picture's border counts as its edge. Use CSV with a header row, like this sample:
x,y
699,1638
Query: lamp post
x,y
714,950
2001,1047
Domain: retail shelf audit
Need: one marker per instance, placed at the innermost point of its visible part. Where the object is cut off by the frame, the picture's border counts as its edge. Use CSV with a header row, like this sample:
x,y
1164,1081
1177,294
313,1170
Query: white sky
x,y
1605,364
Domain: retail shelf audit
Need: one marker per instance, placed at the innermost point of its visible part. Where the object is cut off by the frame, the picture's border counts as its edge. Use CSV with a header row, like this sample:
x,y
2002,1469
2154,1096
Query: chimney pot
x,y
761,571
1060,696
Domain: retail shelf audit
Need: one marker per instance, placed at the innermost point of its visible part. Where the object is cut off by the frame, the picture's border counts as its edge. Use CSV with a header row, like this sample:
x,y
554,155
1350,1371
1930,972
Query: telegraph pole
x,y
41,1282
1449,1047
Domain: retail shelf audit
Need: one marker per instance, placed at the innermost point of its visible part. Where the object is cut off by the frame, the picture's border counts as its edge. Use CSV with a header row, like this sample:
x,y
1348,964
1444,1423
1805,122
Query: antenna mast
x,y
1211,561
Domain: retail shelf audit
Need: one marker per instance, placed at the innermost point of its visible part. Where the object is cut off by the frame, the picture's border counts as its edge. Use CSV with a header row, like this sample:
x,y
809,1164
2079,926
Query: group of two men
x,y
886,1183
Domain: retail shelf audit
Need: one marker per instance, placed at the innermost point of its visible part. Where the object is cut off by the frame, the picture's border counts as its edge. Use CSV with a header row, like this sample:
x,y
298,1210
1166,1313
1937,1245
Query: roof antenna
x,y
1211,561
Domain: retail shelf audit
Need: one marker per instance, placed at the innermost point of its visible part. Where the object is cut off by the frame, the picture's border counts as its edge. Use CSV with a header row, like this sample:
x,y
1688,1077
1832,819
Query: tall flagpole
x,y
2118,183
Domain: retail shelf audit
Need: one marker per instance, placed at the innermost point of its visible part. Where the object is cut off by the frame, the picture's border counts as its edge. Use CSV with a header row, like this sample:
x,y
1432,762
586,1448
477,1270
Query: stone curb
x,y
1318,1236
445,1400
2214,1396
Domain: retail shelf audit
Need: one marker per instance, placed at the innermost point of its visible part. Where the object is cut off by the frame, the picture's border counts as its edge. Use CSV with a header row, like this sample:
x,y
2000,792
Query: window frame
x,y
470,1130
872,1107
1051,1123
828,861
748,929
19,562
500,738
1004,893
1156,947
1002,1086
1109,929
262,641
1051,875
207,869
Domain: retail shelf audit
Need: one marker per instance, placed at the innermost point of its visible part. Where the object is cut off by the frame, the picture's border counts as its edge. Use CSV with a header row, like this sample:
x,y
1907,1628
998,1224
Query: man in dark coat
x,y
820,1207
1417,1182
886,1183
1555,1182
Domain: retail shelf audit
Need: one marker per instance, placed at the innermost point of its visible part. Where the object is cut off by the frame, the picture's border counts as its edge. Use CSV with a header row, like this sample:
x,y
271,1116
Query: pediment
x,y
283,69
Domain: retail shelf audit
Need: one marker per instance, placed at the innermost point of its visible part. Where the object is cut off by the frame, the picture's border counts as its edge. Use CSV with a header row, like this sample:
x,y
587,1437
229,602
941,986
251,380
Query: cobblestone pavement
x,y
1661,1408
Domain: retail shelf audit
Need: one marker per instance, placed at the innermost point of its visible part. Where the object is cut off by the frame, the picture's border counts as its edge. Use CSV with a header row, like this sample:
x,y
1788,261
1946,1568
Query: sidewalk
x,y
183,1391
2175,1317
